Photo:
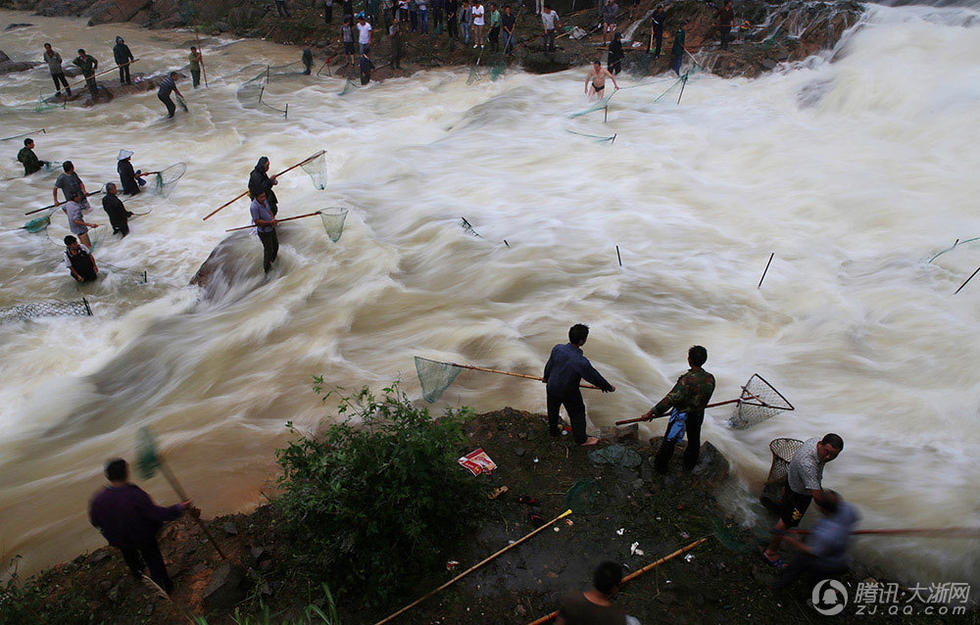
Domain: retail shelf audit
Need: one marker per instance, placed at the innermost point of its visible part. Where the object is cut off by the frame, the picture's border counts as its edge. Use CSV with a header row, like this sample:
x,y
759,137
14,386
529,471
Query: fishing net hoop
x,y
953,247
333,222
26,134
597,138
435,377
165,179
758,402
584,497
782,454
316,167
34,310
147,455
598,106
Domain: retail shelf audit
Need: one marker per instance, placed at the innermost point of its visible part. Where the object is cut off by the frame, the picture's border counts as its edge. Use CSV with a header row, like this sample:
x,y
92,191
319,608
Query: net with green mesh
x,y
147,455
758,402
52,166
35,310
975,241
165,179
595,138
350,85
24,134
251,93
435,377
317,169
674,92
333,222
39,223
96,236
584,497
598,106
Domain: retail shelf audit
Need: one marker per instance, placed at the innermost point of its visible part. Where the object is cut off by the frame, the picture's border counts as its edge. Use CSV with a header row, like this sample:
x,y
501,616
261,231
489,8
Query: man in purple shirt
x,y
565,369
265,225
130,521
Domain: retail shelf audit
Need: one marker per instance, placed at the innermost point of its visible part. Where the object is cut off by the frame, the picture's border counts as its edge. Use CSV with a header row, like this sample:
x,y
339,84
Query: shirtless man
x,y
595,81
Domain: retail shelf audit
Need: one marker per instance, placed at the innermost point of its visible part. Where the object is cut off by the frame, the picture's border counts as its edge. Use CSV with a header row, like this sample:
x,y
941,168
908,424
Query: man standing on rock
x,y
88,64
658,29
53,59
363,33
804,484
29,159
549,19
678,49
726,15
123,57
130,521
565,369
686,402
609,12
508,21
265,222
395,34
477,12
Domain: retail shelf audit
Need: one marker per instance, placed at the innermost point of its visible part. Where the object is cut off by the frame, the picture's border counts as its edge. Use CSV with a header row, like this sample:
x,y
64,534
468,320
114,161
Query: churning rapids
x,y
854,172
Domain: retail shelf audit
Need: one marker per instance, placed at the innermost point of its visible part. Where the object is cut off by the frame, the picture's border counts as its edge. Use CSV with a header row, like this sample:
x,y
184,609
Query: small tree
x,y
373,500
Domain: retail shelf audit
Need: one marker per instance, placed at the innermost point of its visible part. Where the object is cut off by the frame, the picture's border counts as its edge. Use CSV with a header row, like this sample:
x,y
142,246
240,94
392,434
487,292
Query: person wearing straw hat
x,y
130,179
116,210
686,402
265,225
566,368
130,522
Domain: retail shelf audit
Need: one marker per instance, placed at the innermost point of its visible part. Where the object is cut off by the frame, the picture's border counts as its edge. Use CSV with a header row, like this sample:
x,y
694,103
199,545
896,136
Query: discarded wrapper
x,y
689,557
568,522
557,529
635,550
477,462
451,565
620,531
497,492
685,535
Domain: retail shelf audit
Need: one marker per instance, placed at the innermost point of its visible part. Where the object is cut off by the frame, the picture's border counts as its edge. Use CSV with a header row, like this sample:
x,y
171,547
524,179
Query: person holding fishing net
x,y
565,369
130,522
804,484
686,403
826,551
29,159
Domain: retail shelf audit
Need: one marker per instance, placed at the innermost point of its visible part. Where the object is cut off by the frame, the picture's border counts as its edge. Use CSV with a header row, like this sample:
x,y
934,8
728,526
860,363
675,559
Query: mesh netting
x,y
25,134
674,92
39,223
974,241
468,227
497,70
759,401
181,103
476,75
56,235
333,222
435,377
165,179
584,497
290,69
123,275
25,312
598,106
147,456
53,166
251,94
350,85
596,138
782,453
317,169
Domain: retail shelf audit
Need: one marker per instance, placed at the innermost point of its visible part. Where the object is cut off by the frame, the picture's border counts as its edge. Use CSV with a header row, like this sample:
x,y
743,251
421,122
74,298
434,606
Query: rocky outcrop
x,y
7,66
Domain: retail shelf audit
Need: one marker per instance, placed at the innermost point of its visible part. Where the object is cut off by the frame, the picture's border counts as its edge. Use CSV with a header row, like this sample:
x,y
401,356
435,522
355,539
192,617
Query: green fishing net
x,y
596,138
598,106
165,179
674,92
350,85
584,497
147,455
974,240
317,169
333,222
34,310
39,223
435,377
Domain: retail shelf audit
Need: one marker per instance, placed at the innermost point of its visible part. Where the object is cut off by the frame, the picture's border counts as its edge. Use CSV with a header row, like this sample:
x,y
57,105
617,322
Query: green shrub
x,y
372,501
36,601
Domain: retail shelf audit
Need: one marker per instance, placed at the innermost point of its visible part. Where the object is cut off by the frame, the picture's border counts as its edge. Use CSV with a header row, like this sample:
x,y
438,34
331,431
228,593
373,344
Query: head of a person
x,y
260,196
68,167
119,39
263,164
81,52
347,20
116,470
493,6
829,447
361,18
578,334
697,356
547,8
828,501
76,196
597,64
29,144
607,577
507,9
728,4
110,188
174,76
71,243
193,48
47,47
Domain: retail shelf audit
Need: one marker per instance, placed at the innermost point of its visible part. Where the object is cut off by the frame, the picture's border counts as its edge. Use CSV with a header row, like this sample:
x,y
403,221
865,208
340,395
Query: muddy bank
x,y
623,511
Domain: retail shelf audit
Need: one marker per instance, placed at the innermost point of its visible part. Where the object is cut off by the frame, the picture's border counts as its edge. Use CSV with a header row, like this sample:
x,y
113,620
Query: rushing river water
x,y
854,172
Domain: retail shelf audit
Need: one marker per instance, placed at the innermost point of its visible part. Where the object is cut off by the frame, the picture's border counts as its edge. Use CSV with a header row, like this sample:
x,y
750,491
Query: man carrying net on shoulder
x,y
686,403
804,484
565,369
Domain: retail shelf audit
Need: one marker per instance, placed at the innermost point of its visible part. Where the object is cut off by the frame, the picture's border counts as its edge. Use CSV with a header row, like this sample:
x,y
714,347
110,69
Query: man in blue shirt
x,y
167,86
826,552
265,223
566,367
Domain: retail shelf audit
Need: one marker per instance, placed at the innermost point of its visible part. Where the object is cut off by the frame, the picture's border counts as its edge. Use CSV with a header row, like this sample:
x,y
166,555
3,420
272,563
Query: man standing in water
x,y
116,210
260,182
804,484
29,159
195,58
595,81
307,61
123,57
53,59
565,369
87,63
80,263
686,402
70,184
265,222
78,226
167,86
130,521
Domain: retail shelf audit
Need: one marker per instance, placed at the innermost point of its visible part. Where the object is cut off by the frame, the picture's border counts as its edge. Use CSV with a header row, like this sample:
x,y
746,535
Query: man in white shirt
x,y
549,18
477,11
363,33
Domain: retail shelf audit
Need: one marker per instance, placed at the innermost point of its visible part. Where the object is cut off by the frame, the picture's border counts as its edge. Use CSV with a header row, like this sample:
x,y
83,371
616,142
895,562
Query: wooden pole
x,y
516,375
105,71
617,247
715,405
278,220
967,280
766,270
167,473
245,192
549,617
473,568
38,210
200,53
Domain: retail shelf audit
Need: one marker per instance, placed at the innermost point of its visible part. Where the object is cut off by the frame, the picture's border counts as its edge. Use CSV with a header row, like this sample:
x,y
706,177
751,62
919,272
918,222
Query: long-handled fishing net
x,y
34,310
598,106
317,169
435,377
39,223
674,92
469,229
165,179
782,450
350,85
585,497
958,243
25,134
758,402
251,94
333,222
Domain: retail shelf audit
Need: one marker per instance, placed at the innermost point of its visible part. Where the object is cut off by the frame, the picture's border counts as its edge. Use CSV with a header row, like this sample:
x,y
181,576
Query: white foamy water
x,y
854,172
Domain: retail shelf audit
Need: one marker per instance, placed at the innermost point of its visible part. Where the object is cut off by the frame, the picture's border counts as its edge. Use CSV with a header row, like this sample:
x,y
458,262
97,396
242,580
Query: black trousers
x,y
59,79
693,431
726,35
171,107
270,249
549,39
805,565
196,78
120,226
396,53
452,27
436,18
147,555
328,13
494,38
93,87
658,40
575,408
124,75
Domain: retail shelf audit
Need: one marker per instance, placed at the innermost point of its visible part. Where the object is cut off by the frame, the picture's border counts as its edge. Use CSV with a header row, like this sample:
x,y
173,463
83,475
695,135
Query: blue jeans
x,y
424,22
508,42
465,26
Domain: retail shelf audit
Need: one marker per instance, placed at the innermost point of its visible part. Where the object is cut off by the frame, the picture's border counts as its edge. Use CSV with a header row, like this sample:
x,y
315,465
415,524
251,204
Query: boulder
x,y
548,62
229,586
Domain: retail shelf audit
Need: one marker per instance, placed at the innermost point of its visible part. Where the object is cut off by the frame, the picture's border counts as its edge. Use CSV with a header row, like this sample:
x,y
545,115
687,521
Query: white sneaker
x,y
474,46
